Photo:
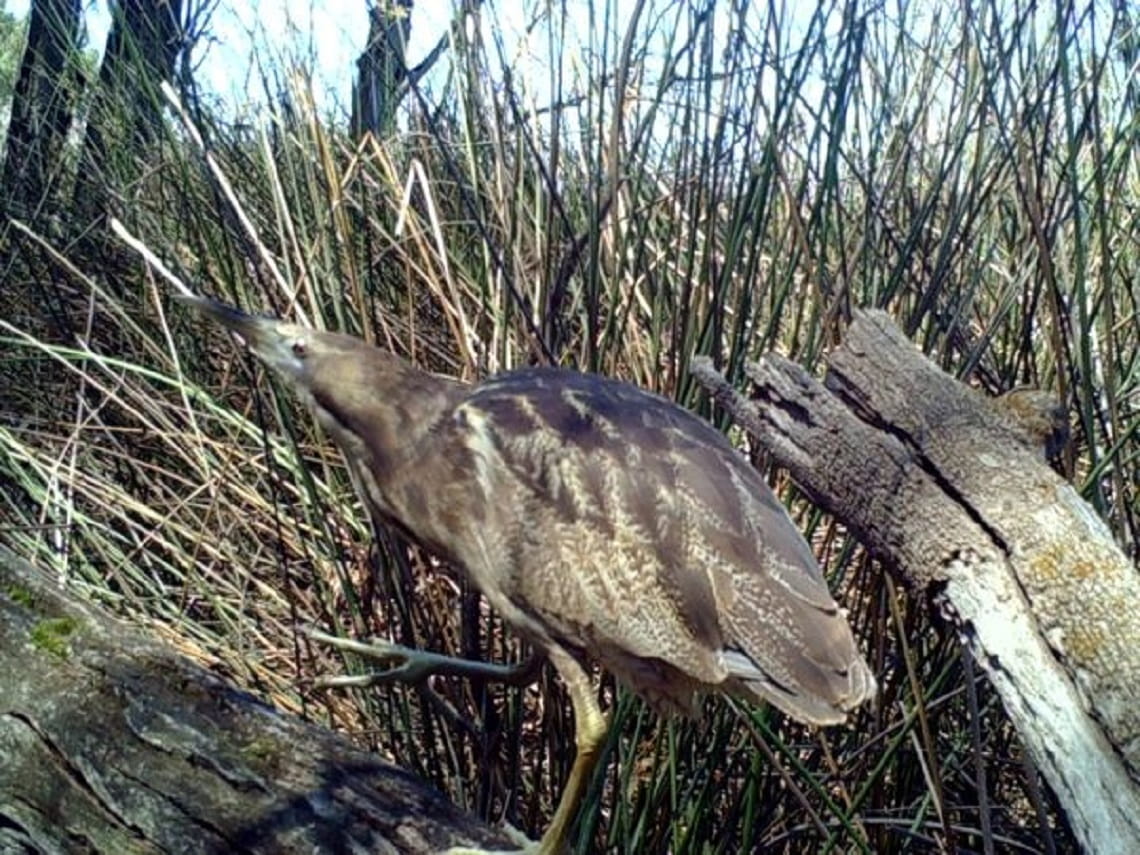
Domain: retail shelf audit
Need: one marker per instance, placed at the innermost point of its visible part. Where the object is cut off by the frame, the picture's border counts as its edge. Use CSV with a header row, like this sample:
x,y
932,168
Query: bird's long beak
x,y
254,331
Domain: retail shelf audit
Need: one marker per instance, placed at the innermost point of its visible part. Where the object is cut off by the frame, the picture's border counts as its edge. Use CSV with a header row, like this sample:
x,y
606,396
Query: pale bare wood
x,y
943,487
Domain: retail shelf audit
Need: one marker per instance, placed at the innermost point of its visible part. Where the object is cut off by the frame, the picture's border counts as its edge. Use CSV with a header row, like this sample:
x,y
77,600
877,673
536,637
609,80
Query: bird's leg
x,y
415,666
589,732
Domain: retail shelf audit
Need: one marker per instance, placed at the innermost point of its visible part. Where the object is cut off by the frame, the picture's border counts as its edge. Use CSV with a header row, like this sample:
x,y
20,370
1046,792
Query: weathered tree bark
x,y
42,108
112,743
943,486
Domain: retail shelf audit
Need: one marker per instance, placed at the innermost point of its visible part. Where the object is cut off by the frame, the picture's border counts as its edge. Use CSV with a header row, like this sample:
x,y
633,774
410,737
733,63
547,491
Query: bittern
x,y
601,521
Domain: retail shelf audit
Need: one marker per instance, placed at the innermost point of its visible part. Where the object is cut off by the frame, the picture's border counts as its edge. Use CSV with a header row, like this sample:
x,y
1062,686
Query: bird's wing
x,y
638,529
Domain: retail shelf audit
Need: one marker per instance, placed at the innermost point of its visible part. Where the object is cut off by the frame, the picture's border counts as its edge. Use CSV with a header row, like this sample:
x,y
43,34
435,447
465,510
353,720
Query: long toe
x,y
525,846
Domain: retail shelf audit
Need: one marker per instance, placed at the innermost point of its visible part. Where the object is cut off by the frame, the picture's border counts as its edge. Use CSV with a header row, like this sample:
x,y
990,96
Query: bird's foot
x,y
525,845
415,666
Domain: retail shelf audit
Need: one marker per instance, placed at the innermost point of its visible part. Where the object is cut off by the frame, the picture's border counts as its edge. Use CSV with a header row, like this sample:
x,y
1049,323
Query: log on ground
x,y
112,743
944,487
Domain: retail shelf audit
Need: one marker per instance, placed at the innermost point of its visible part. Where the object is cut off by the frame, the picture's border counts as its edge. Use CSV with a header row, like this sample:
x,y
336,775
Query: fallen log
x,y
110,742
944,488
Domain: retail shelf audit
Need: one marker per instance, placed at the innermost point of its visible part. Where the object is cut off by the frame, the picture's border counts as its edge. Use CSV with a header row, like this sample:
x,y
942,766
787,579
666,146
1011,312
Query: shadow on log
x,y
112,743
947,489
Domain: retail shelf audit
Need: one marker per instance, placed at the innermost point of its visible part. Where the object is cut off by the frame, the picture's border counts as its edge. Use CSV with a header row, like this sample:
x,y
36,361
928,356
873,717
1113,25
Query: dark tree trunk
x,y
382,74
381,70
112,743
42,108
143,49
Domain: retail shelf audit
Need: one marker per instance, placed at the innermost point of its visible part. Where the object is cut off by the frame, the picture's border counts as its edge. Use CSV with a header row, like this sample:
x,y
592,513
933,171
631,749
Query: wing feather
x,y
664,549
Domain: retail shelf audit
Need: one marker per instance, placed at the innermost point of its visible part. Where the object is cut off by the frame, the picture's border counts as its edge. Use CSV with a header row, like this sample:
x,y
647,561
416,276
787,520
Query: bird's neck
x,y
383,421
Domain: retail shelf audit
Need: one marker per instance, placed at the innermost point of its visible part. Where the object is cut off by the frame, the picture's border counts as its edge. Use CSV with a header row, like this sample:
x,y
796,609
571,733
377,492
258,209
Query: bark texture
x,y
945,487
112,743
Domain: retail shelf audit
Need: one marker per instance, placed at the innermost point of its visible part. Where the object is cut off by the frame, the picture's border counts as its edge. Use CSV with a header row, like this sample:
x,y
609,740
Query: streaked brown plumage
x,y
598,519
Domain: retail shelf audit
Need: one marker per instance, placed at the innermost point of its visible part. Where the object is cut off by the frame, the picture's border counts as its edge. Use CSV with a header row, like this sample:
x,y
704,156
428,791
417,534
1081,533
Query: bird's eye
x,y
299,348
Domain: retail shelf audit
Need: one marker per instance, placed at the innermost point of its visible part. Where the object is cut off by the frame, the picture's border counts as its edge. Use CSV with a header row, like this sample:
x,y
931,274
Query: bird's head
x,y
363,395
291,351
